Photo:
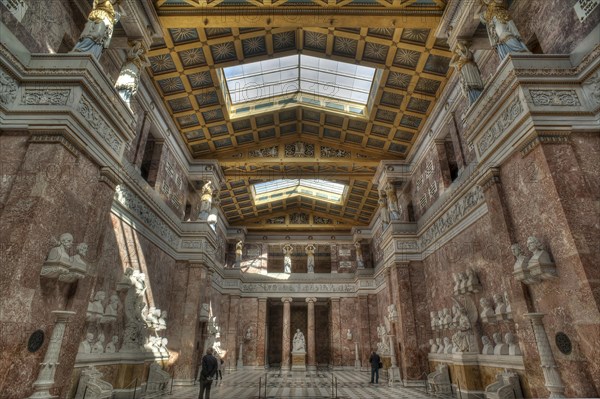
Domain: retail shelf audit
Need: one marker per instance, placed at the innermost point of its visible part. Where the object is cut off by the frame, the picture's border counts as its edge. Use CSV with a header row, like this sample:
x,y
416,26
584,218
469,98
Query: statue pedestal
x,y
298,361
387,361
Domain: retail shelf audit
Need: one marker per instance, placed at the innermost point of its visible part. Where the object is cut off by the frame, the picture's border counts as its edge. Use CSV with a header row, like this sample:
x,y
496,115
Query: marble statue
x,y
508,306
473,284
470,77
360,263
162,321
135,324
238,253
502,31
126,281
440,319
500,347
95,309
447,346
462,288
440,345
432,316
298,344
384,214
158,379
392,201
521,266
349,335
78,265
58,261
455,288
433,346
287,258
464,339
506,386
92,386
540,264
113,345
206,198
487,313
86,345
392,312
110,311
447,322
310,258
488,348
249,334
500,308
99,345
98,30
513,347
438,382
129,77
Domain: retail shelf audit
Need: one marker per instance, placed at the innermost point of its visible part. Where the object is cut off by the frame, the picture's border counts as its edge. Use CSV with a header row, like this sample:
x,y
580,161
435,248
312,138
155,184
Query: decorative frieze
x,y
592,88
507,117
546,138
268,152
300,288
103,130
444,223
565,98
136,206
8,88
299,149
46,97
329,152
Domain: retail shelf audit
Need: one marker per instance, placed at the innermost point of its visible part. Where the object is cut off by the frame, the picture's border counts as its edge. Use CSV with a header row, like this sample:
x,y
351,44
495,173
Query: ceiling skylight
x,y
285,188
309,77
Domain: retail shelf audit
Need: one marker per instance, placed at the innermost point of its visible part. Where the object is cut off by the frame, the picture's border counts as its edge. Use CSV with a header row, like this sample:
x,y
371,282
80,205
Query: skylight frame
x,y
322,190
312,86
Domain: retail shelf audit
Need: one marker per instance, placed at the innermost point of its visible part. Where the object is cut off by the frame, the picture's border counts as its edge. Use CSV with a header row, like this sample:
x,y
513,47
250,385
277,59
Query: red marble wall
x,y
429,180
249,318
553,22
53,191
171,182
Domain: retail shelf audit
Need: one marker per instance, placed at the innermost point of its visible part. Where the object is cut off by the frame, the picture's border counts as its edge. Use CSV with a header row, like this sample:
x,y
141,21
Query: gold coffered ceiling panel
x,y
341,147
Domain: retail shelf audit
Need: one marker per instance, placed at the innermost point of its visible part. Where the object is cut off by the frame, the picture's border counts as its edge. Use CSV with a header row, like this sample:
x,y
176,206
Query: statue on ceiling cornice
x,y
392,201
98,30
384,214
206,198
129,77
470,77
502,31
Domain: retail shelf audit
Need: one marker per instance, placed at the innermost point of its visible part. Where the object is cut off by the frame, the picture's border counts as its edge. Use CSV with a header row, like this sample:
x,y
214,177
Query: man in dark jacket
x,y
374,359
207,373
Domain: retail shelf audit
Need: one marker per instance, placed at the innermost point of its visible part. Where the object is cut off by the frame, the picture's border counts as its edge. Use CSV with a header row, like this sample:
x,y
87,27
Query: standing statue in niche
x,y
392,201
310,259
298,344
206,199
360,263
98,30
502,31
464,339
129,77
384,214
238,253
470,77
287,258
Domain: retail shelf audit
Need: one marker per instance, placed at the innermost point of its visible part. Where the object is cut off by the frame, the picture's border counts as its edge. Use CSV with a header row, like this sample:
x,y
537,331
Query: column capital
x,y
286,300
262,299
335,299
311,300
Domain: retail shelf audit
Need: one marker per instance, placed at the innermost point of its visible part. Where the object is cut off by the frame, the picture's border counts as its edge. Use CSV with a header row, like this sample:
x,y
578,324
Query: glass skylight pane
x,y
313,76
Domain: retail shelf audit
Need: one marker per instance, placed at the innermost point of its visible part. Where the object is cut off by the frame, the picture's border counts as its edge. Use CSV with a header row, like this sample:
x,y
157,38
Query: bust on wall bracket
x,y
539,267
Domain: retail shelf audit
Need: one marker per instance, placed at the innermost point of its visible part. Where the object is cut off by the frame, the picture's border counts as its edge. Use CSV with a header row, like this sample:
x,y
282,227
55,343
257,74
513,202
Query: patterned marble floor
x,y
350,385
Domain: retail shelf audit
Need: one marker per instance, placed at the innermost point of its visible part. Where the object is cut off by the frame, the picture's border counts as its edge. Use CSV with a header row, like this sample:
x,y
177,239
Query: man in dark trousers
x,y
207,373
374,359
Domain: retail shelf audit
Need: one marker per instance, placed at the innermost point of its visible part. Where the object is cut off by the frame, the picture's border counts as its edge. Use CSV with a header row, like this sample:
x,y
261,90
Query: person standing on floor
x,y
207,373
219,368
374,359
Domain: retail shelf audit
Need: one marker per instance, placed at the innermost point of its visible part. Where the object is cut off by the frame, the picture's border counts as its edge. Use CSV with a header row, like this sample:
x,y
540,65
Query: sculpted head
x,y
509,338
498,298
516,249
484,302
82,249
89,337
485,340
100,296
533,244
115,339
497,337
66,240
431,341
446,341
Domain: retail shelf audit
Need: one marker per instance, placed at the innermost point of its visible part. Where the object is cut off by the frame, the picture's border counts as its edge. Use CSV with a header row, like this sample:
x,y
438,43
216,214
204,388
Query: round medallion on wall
x,y
563,343
36,340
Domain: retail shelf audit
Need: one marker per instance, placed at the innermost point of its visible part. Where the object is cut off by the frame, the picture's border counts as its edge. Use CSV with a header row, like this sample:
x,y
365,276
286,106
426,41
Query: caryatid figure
x,y
470,77
287,258
206,198
310,260
98,30
129,77
502,31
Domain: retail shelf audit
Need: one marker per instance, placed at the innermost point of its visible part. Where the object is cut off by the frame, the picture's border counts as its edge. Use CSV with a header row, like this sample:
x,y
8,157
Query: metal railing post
x,y
266,375
259,386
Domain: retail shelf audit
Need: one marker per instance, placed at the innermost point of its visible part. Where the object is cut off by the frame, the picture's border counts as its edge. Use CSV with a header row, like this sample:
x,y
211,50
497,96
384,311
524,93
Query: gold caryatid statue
x,y
98,30
470,77
129,77
502,31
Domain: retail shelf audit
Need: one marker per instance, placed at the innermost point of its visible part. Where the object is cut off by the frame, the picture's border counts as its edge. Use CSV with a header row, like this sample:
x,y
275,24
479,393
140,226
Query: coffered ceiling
x,y
341,147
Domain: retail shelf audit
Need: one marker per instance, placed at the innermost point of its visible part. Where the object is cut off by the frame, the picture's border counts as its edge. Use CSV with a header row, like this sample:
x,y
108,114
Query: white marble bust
x,y
513,347
500,348
488,348
86,345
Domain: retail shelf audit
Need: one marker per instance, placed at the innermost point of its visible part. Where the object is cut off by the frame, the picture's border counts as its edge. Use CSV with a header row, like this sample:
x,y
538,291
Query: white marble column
x,y
285,337
312,350
549,367
45,378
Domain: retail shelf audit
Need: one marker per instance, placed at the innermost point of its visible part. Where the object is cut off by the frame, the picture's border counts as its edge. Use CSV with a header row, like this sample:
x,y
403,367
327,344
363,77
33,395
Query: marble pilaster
x,y
285,336
336,333
232,330
312,365
261,333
